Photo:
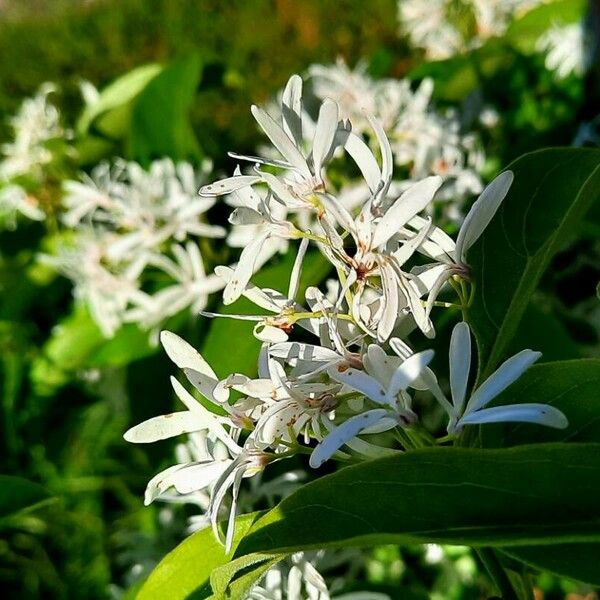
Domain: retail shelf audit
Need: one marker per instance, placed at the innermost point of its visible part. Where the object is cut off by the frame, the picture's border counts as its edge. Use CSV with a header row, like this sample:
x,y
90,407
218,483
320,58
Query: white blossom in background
x,y
442,27
36,123
566,49
425,141
345,390
132,228
15,201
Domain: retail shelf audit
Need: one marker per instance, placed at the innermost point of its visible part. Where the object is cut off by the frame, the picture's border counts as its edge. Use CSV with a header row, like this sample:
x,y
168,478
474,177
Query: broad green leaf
x,y
118,94
540,330
523,33
506,497
160,123
18,495
576,561
571,386
240,354
185,572
551,192
513,499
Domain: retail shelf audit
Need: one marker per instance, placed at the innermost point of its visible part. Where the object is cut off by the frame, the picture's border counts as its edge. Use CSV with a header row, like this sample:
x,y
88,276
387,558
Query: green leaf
x,y
185,572
576,561
239,333
571,386
77,343
513,500
552,190
18,495
544,332
118,94
160,124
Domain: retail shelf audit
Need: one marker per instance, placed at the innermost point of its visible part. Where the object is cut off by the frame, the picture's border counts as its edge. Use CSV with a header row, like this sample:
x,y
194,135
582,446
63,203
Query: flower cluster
x,y
438,26
425,141
133,253
567,49
347,392
35,126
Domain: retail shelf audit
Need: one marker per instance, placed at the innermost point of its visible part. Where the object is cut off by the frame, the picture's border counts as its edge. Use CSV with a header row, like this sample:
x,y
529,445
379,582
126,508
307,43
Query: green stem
x,y
497,573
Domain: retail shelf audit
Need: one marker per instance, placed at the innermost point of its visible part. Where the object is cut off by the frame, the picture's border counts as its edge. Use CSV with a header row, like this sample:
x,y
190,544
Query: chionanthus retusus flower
x,y
473,411
344,388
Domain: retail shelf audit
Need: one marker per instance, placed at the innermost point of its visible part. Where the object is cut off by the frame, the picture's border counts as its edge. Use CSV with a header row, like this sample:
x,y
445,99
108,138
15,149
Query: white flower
x,y
220,474
14,200
473,411
36,123
145,225
428,24
567,49
385,393
452,257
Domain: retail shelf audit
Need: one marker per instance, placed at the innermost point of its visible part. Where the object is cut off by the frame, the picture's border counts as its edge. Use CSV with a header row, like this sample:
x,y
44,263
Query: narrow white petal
x,y
204,384
209,420
389,314
363,157
386,156
411,202
508,372
542,414
309,352
184,355
342,434
359,381
408,371
297,269
195,477
409,247
291,108
164,427
460,364
481,213
281,141
267,299
324,133
244,215
269,333
244,269
229,185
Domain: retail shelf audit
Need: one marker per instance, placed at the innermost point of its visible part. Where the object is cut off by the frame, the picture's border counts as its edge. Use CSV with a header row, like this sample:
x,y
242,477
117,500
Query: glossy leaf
x,y
550,194
187,569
